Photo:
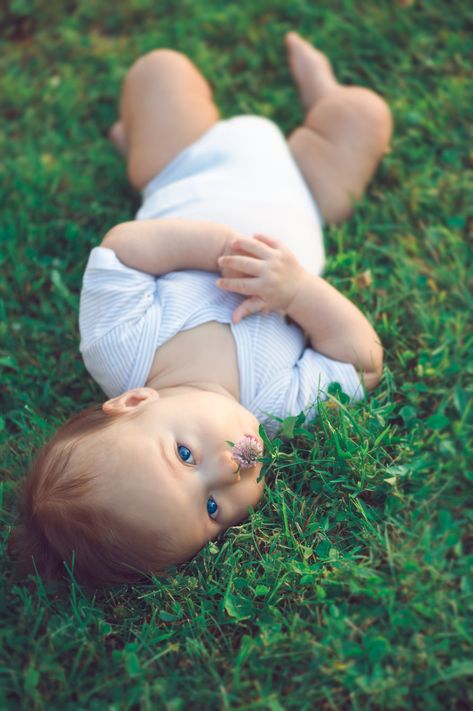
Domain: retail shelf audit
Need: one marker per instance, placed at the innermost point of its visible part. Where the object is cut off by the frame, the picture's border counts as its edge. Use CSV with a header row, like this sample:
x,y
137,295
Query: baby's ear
x,y
127,402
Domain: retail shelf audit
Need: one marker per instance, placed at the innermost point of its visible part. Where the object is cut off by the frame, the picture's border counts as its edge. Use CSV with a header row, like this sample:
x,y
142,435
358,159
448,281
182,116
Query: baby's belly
x,y
205,354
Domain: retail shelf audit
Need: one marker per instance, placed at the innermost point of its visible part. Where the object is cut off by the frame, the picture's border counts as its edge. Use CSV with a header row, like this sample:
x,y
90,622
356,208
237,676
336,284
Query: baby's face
x,y
171,468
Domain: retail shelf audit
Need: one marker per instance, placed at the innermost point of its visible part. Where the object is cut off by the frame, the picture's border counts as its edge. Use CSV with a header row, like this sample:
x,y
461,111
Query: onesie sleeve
x,y
299,387
119,320
311,377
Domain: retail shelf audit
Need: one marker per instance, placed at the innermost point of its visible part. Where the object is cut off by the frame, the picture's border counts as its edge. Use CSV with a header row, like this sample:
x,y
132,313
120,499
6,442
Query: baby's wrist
x,y
228,238
299,281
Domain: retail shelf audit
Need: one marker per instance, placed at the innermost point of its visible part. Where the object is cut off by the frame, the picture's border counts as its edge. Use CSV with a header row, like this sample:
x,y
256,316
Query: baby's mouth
x,y
247,451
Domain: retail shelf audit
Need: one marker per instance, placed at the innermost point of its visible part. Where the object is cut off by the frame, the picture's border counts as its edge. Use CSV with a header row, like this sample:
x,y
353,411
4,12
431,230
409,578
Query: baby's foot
x,y
118,138
311,70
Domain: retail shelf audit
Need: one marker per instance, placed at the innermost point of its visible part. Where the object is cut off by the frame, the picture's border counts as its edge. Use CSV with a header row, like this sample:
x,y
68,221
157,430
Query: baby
x,y
203,318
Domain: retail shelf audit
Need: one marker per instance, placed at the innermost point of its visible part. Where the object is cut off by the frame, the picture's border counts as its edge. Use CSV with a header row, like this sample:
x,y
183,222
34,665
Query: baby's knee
x,y
157,61
373,109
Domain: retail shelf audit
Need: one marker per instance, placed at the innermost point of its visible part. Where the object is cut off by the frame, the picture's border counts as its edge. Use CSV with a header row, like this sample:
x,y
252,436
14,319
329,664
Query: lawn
x,y
350,587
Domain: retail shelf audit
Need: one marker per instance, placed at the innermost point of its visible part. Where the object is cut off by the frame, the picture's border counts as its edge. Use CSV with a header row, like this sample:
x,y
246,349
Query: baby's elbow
x,y
115,235
371,379
372,376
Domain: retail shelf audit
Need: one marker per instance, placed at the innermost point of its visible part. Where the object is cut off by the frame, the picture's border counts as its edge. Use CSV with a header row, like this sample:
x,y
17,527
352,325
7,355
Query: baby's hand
x,y
226,270
270,275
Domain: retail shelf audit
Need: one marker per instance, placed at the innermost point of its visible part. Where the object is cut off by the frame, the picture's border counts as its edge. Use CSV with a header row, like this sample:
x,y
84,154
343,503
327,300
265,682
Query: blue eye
x,y
185,454
212,507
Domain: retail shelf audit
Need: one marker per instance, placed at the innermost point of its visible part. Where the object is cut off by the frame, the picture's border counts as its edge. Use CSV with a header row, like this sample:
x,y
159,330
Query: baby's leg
x,y
166,104
345,134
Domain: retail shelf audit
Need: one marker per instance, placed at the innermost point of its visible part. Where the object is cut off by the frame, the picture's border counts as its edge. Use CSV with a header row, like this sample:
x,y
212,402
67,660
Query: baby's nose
x,y
228,469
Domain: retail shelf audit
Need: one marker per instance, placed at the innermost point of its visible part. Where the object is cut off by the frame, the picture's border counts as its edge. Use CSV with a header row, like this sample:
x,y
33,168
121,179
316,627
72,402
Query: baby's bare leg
x,y
345,134
166,104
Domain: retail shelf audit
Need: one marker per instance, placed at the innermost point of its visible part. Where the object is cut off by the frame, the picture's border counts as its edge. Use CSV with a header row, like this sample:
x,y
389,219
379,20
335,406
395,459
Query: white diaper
x,y
241,173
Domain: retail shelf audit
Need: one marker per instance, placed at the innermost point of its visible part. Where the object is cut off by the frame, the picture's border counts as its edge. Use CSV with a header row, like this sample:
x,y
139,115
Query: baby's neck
x,y
182,389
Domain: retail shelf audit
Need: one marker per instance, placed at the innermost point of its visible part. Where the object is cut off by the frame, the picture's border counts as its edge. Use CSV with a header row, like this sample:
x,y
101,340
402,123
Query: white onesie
x,y
240,173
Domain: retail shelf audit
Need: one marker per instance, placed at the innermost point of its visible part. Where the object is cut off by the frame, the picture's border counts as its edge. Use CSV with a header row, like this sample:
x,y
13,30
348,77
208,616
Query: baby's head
x,y
137,485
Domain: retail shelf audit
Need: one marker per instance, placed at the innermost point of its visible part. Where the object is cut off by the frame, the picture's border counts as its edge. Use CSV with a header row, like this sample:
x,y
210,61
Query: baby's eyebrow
x,y
172,463
175,465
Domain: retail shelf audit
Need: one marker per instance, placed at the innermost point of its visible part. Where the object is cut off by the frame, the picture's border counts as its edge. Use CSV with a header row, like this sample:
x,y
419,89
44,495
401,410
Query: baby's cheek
x,y
260,493
258,490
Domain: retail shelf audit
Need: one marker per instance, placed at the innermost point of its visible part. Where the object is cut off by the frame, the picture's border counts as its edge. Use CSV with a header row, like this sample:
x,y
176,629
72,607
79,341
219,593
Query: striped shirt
x,y
125,315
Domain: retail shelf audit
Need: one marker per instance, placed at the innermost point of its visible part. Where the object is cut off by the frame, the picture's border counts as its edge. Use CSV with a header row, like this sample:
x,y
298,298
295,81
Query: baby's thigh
x,y
166,105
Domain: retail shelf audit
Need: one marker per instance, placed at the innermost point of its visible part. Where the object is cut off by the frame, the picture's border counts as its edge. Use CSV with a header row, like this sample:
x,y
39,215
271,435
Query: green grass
x,y
351,587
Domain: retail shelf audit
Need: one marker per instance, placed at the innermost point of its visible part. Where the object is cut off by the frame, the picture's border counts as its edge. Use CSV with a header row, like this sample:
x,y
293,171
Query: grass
x,y
350,588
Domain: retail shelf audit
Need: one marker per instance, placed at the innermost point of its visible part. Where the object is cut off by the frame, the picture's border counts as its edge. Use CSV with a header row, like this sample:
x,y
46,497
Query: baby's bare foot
x,y
118,138
311,70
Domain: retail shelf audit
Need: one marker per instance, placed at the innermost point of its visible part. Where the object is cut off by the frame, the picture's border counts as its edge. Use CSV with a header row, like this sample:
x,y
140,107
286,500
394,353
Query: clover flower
x,y
246,451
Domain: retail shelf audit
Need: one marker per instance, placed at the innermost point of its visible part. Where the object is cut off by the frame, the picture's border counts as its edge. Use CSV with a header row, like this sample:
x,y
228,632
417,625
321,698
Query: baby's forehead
x,y
131,467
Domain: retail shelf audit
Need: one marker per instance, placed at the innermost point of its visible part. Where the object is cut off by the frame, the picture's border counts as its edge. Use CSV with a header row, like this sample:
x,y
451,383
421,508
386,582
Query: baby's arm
x,y
161,246
275,281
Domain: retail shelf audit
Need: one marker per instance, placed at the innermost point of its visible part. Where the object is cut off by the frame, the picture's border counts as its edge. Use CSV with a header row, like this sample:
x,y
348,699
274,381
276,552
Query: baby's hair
x,y
60,516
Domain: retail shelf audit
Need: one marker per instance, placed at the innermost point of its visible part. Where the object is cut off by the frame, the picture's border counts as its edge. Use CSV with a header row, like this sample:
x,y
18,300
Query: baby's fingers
x,y
270,241
251,246
238,263
244,286
248,307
